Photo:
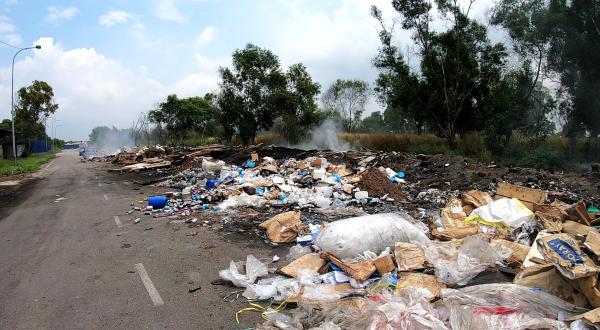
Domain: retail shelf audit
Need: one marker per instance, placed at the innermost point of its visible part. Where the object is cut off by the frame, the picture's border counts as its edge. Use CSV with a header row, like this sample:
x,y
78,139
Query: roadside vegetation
x,y
530,101
27,164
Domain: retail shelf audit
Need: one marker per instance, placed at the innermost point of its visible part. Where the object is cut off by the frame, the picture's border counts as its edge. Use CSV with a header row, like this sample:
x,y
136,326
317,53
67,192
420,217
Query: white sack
x,y
348,238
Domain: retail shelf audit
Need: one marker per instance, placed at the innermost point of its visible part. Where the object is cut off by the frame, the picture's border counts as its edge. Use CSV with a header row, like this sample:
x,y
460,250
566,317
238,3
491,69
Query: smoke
x,y
110,142
325,136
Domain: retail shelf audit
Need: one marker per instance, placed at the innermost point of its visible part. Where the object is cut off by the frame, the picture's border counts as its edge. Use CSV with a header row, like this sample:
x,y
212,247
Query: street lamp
x,y
12,100
53,132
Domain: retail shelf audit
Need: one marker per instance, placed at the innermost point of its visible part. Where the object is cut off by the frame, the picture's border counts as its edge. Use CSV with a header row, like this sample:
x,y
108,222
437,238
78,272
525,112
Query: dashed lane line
x,y
118,221
105,197
154,295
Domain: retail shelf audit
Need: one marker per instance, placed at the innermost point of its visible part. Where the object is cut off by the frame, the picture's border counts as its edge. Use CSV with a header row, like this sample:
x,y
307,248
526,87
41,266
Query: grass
x,y
27,164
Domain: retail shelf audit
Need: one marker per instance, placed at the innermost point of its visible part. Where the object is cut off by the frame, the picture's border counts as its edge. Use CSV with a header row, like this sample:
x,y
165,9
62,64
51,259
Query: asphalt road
x,y
70,264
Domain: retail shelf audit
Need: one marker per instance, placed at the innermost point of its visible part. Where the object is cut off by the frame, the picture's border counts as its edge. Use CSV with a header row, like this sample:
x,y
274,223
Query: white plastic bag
x,y
213,167
348,238
242,200
254,270
505,212
279,288
457,266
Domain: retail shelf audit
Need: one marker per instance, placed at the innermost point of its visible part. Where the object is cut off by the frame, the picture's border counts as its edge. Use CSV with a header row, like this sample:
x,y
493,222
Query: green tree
x,y
250,92
373,123
181,116
348,99
35,103
297,106
458,68
567,36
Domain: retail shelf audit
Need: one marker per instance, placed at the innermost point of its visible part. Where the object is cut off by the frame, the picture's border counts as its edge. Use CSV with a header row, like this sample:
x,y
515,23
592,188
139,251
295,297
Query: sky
x,y
110,60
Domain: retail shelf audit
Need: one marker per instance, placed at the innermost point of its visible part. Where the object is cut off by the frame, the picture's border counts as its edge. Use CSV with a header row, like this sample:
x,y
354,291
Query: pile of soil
x,y
377,184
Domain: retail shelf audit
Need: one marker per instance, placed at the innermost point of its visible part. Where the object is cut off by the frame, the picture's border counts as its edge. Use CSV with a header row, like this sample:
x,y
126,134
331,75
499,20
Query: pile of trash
x,y
262,183
514,261
502,256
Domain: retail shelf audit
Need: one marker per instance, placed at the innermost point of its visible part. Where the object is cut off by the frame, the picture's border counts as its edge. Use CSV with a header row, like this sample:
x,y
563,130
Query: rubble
x,y
378,241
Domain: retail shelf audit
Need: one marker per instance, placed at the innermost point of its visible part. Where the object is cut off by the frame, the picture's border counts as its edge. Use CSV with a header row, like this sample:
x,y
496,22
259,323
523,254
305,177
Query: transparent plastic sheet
x,y
535,303
296,252
254,270
351,237
384,311
279,288
458,265
581,325
476,318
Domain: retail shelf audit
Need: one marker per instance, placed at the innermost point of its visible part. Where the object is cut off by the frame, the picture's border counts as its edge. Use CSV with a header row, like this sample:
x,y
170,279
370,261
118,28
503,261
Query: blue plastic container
x,y
211,183
157,202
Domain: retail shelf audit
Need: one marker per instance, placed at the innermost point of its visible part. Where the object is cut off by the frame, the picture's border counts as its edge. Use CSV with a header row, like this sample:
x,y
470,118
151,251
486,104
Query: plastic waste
x,y
361,195
457,266
318,174
519,298
505,212
249,164
279,288
241,200
157,202
296,252
351,237
322,202
211,183
502,318
254,270
213,167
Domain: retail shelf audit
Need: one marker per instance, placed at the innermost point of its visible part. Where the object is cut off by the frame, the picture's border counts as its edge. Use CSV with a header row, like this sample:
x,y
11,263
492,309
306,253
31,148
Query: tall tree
x,y
458,67
567,34
250,91
373,123
297,105
348,98
182,116
35,103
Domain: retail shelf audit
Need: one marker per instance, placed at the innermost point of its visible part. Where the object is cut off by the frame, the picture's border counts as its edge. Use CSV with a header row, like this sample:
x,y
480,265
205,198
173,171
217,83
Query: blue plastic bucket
x,y
157,202
211,183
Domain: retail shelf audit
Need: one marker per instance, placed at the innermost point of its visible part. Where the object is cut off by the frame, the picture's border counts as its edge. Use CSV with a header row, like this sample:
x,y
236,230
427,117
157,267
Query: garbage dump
x,y
509,257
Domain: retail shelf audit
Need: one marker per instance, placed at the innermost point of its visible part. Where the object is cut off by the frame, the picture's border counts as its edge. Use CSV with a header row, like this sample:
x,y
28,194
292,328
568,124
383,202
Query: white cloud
x,y
56,14
93,89
207,35
167,10
6,27
114,17
8,32
12,39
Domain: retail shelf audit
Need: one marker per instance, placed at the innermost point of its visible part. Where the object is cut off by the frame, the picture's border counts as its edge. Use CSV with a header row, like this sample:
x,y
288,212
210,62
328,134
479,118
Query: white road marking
x,y
105,197
156,299
118,221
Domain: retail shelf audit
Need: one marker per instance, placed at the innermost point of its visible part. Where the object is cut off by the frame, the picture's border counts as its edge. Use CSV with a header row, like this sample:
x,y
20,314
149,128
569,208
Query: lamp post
x,y
54,139
12,99
53,132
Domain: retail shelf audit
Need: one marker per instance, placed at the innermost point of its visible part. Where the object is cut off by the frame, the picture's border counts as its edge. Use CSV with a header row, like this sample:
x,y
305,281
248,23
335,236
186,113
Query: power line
x,y
9,45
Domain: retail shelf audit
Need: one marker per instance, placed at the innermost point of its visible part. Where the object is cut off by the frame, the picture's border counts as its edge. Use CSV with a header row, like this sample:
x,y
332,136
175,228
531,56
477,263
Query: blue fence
x,y
40,146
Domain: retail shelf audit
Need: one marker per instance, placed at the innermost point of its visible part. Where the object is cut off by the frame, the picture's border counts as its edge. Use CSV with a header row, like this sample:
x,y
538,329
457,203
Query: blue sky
x,y
110,60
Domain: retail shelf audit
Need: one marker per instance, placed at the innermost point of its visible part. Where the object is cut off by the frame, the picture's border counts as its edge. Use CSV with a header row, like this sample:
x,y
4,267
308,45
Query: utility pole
x,y
12,99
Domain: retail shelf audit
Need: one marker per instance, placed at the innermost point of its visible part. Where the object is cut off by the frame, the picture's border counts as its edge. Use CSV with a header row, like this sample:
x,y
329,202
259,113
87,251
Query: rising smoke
x,y
325,136
109,142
